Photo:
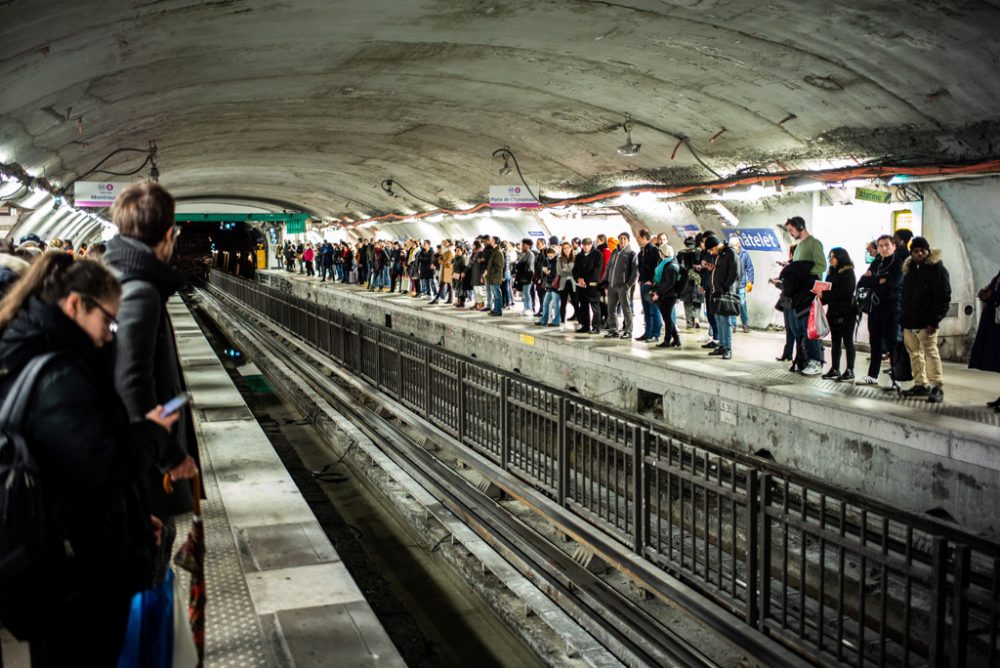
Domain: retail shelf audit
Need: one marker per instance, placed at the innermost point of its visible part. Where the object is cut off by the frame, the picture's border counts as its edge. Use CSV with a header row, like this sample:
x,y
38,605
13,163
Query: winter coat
x,y
308,254
445,262
885,295
524,267
458,267
588,266
91,456
496,267
550,280
986,349
622,268
926,292
424,270
147,370
797,283
746,275
839,299
669,273
564,269
649,259
726,275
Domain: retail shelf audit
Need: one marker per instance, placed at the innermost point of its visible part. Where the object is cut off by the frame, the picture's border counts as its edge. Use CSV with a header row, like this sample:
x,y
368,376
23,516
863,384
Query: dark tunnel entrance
x,y
234,247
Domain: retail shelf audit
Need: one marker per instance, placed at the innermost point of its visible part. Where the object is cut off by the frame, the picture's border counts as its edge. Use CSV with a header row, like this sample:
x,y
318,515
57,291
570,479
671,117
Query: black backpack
x,y
37,565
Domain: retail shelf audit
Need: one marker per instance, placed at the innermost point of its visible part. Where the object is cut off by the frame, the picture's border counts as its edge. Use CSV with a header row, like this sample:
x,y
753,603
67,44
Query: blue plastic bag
x,y
149,640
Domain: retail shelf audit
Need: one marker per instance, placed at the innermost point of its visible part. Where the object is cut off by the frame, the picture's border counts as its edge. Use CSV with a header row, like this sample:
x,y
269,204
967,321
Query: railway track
x,y
616,620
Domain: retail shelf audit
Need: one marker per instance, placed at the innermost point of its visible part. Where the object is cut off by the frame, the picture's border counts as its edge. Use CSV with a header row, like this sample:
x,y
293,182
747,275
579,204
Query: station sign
x,y
872,195
756,239
685,231
295,227
96,194
511,197
536,233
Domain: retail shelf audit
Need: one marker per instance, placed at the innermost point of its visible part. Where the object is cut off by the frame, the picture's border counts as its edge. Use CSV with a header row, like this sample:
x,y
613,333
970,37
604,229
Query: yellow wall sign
x,y
902,219
527,340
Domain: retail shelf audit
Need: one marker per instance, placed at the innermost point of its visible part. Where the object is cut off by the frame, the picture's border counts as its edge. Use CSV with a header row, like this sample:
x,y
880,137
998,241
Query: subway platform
x,y
939,458
277,591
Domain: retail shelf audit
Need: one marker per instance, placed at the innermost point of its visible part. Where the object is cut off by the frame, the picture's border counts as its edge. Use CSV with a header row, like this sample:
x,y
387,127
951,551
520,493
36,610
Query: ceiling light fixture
x,y
507,154
628,149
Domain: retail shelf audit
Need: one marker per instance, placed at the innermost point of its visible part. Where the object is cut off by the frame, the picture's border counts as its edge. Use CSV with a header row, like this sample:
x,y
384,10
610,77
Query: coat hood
x,y
39,328
132,258
933,258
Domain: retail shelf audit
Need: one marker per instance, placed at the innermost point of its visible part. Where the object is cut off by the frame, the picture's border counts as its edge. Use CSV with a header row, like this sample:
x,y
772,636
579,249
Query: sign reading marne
x,y
756,239
96,194
511,197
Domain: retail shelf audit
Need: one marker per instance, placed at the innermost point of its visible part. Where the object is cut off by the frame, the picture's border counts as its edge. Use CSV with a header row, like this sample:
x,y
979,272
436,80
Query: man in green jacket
x,y
494,276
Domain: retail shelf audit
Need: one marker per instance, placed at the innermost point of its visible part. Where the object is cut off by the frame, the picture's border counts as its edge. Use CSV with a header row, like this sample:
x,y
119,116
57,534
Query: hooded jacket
x,y
725,277
839,299
147,370
622,268
926,292
796,285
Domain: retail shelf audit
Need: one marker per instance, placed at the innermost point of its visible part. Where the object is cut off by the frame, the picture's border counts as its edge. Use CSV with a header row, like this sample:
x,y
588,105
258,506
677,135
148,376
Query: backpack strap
x,y
15,404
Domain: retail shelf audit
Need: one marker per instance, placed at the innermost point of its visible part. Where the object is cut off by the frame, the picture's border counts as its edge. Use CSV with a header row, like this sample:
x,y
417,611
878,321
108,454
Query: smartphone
x,y
175,404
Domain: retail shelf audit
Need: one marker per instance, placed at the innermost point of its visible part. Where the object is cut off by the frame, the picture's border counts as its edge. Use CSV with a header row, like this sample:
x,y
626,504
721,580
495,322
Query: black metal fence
x,y
843,579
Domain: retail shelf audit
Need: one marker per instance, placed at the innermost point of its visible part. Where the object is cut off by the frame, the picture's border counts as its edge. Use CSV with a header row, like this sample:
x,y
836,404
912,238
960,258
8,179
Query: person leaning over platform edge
x,y
926,298
147,370
90,457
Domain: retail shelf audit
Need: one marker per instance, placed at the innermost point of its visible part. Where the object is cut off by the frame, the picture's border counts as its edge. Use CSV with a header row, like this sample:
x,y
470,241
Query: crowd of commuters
x,y
904,290
95,319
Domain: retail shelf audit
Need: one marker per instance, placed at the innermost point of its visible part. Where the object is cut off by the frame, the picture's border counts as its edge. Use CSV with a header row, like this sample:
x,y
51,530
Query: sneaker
x,y
846,377
527,314
626,335
936,395
813,368
706,339
728,355
831,374
867,380
710,344
917,391
646,338
746,329
718,352
611,334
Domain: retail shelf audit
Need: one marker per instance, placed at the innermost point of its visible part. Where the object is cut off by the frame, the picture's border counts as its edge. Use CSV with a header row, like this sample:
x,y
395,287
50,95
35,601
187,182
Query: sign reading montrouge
x,y
756,239
96,194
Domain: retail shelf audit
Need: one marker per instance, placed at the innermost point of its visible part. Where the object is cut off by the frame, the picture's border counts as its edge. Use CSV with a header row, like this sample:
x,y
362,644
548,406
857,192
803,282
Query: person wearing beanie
x,y
926,298
554,242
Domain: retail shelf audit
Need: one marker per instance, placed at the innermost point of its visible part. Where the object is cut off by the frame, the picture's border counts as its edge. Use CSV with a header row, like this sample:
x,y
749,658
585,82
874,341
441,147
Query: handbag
x,y
727,304
818,326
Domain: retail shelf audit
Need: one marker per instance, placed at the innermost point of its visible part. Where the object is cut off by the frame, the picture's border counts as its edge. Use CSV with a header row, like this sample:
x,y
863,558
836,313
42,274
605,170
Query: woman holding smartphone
x,y
88,458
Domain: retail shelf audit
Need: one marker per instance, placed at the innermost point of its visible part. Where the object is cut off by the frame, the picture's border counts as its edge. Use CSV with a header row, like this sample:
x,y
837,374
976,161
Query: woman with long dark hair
x,y
839,300
89,458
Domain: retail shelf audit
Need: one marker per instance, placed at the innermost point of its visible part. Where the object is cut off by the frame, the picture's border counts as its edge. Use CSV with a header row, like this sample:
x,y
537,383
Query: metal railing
x,y
841,578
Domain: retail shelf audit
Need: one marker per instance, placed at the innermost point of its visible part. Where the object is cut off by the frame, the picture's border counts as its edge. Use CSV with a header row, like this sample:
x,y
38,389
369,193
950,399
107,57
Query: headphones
x,y
796,222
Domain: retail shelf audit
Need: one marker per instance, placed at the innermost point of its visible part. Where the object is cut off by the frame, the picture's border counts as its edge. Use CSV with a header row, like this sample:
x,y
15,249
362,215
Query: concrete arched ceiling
x,y
311,103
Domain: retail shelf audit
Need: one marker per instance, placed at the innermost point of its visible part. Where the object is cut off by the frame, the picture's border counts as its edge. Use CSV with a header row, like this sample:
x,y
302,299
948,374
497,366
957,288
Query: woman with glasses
x,y
89,460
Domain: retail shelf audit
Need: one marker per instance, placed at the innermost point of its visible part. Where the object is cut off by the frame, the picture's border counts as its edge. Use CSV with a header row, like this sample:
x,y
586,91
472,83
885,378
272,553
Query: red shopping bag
x,y
818,325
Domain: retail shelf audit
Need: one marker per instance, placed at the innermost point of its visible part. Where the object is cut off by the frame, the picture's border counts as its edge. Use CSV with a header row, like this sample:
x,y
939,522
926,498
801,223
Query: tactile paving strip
x,y
233,634
972,413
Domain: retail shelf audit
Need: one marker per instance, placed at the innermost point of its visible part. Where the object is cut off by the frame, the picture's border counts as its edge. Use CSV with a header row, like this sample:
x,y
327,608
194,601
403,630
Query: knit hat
x,y
711,241
666,250
553,240
612,243
689,242
919,242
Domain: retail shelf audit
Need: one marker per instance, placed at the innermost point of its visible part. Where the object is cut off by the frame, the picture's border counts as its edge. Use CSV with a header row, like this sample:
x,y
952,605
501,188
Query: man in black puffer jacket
x,y
147,371
926,298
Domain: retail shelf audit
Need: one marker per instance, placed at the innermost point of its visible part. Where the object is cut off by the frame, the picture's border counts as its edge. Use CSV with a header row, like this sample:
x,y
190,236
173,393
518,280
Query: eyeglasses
x,y
112,320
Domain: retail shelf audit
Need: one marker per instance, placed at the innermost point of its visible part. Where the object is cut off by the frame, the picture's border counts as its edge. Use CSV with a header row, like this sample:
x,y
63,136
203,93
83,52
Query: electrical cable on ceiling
x,y
505,152
96,169
387,185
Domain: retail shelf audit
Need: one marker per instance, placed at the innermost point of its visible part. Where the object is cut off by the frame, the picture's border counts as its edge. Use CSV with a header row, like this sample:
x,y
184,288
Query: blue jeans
x,y
551,301
744,317
651,312
496,299
724,325
814,351
526,297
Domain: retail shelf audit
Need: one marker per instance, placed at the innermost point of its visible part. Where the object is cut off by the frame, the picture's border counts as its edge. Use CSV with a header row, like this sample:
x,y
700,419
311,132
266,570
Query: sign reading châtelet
x,y
96,194
511,197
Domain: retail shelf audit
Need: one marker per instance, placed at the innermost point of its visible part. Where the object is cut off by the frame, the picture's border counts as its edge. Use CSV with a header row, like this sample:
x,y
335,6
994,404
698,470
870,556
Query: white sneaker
x,y
813,368
705,339
526,314
866,380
